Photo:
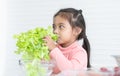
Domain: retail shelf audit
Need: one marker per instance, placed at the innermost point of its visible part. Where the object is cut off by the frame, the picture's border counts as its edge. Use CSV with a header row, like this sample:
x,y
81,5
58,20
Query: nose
x,y
55,31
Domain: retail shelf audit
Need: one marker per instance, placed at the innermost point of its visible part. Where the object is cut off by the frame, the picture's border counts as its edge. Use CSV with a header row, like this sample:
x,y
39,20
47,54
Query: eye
x,y
61,26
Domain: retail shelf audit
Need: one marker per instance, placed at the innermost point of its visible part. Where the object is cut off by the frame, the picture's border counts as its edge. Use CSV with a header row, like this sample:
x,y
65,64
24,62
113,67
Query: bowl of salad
x,y
36,67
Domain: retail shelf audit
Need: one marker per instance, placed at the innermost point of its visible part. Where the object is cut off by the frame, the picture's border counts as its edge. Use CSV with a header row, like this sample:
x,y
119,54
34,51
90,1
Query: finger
x,y
48,37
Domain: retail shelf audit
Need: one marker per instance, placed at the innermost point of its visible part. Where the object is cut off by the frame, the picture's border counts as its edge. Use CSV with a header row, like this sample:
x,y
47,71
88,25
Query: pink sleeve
x,y
78,61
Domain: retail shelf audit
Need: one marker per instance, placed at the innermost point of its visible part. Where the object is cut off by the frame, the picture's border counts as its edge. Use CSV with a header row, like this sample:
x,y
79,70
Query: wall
x,y
102,19
3,16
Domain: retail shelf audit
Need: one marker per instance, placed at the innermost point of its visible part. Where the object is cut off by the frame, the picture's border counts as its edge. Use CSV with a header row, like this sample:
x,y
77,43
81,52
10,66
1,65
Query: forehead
x,y
58,19
64,15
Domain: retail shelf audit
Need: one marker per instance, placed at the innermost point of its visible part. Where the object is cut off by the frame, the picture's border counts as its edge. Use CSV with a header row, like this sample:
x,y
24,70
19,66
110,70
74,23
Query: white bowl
x,y
45,67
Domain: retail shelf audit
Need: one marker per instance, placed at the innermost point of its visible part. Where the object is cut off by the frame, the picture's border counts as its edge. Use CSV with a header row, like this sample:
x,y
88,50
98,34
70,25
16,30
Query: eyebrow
x,y
58,24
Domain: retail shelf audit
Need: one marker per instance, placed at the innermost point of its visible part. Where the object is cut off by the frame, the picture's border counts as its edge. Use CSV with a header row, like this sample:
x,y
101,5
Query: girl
x,y
67,54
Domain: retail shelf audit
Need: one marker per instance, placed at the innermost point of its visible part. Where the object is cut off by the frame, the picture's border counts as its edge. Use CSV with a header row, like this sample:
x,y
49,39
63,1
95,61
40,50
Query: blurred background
x,y
102,20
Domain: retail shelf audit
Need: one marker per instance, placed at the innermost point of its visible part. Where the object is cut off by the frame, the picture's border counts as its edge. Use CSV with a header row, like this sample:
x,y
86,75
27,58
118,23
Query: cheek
x,y
67,34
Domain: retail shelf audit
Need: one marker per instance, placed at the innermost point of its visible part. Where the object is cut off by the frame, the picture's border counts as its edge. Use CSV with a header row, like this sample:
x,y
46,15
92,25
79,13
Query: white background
x,y
102,20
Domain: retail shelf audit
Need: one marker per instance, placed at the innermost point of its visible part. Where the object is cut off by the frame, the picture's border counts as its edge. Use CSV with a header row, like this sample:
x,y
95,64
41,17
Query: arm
x,y
78,60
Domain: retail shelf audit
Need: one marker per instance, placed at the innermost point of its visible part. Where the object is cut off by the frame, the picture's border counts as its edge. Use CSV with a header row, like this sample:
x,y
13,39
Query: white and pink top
x,y
71,57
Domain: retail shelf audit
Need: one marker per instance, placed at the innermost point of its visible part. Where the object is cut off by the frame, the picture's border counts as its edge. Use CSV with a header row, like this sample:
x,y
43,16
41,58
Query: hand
x,y
49,42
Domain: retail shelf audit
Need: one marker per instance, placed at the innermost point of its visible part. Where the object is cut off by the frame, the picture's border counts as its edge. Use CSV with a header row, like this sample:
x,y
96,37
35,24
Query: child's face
x,y
66,34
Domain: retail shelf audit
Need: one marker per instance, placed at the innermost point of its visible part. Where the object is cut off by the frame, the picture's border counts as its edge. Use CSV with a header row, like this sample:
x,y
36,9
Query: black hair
x,y
76,19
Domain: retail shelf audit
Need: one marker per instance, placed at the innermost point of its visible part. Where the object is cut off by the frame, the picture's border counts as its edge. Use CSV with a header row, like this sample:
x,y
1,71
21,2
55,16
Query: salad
x,y
31,47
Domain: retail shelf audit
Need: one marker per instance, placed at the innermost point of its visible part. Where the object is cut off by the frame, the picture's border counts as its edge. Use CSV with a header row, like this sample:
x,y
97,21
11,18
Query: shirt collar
x,y
69,48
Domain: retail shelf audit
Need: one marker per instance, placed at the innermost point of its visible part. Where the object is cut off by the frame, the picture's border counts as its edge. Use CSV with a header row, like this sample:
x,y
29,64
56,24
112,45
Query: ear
x,y
77,31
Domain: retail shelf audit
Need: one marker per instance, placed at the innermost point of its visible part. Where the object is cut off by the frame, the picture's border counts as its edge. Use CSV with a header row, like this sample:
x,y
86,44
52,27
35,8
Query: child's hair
x,y
76,19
